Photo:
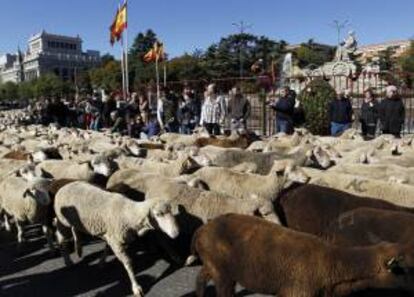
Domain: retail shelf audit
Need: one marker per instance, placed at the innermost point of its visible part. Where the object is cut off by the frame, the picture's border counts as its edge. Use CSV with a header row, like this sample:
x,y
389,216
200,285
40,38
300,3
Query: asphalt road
x,y
33,270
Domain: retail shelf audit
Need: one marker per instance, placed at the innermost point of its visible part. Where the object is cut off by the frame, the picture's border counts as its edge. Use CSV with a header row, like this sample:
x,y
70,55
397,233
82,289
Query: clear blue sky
x,y
185,25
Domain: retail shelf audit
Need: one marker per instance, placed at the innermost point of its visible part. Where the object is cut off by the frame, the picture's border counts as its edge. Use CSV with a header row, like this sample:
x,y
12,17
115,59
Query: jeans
x,y
172,127
186,128
337,128
283,126
212,128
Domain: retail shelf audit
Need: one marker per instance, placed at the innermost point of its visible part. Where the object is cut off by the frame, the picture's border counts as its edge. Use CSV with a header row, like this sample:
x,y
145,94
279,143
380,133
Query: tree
x,y
49,85
406,64
26,90
386,60
140,72
9,91
222,60
108,77
315,99
310,55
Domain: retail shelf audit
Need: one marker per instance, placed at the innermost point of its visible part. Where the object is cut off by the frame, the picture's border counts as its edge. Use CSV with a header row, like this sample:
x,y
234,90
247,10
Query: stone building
x,y
48,53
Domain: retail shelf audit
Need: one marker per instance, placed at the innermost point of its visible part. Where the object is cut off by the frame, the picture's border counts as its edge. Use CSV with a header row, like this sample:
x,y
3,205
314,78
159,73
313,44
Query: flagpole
x,y
126,52
123,68
158,78
165,73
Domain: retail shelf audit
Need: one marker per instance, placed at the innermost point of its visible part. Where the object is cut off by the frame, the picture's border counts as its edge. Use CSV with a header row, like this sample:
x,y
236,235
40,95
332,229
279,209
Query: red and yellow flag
x,y
119,24
155,54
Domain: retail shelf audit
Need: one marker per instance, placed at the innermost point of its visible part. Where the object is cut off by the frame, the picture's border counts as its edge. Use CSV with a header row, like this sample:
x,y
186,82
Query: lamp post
x,y
242,26
339,26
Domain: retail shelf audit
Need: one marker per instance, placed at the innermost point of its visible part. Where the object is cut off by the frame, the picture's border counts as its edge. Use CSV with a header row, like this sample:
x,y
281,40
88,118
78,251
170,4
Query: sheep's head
x,y
27,172
399,262
162,218
102,165
38,190
188,165
319,157
39,156
135,150
291,172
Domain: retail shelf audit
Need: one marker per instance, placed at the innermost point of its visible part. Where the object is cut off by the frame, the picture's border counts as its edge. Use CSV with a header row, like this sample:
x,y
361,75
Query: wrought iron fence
x,y
262,119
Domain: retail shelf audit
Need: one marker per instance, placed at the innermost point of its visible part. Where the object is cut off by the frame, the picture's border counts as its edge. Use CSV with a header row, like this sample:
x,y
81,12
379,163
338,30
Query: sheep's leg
x,y
224,287
63,244
20,237
104,255
120,253
78,244
7,223
169,249
201,283
49,236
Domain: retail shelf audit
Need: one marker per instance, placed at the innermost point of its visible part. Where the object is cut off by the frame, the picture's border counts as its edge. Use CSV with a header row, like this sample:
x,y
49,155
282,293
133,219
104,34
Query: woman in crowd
x,y
369,115
211,111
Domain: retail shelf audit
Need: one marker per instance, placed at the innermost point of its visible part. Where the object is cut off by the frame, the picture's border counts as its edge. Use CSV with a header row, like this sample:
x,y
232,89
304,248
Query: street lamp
x,y
242,26
339,26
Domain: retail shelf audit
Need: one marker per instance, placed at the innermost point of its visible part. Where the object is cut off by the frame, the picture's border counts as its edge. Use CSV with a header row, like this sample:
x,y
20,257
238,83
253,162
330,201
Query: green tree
x,y
386,59
48,85
108,77
406,64
9,91
315,99
26,90
139,71
311,55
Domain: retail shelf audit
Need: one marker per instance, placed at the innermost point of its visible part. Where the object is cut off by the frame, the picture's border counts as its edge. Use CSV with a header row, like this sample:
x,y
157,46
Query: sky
x,y
186,25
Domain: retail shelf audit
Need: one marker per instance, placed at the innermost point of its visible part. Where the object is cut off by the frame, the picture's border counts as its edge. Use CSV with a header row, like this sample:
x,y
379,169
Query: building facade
x,y
372,51
48,53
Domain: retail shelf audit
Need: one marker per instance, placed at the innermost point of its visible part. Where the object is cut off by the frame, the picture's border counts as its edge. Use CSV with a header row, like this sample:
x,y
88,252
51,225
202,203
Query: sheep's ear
x,y
30,159
279,166
27,193
394,264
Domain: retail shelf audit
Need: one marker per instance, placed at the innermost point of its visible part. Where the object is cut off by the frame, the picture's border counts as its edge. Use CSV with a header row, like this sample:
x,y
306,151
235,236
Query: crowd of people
x,y
142,115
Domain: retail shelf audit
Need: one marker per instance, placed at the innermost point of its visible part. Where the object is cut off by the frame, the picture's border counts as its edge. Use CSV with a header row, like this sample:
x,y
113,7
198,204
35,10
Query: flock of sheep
x,y
292,216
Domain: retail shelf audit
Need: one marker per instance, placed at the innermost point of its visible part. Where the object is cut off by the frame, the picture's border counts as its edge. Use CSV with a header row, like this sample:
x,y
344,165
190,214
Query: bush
x,y
315,99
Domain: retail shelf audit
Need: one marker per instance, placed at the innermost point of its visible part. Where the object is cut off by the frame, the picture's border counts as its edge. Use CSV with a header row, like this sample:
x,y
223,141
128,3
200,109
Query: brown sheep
x,y
240,141
17,155
311,208
368,226
270,259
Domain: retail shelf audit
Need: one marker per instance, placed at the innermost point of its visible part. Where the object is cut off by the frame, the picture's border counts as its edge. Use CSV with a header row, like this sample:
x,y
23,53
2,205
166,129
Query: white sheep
x,y
248,185
204,205
168,168
80,206
26,201
63,169
390,191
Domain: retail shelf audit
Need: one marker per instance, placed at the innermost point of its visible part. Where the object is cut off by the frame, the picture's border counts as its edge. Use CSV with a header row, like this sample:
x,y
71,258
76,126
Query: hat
x,y
391,88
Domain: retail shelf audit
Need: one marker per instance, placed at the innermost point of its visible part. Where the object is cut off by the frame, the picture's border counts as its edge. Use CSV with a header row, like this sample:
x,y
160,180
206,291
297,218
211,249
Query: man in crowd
x,y
238,110
340,113
285,108
188,112
392,112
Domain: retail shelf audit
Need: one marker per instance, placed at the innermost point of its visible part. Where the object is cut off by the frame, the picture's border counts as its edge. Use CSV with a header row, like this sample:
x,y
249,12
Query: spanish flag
x,y
119,24
155,54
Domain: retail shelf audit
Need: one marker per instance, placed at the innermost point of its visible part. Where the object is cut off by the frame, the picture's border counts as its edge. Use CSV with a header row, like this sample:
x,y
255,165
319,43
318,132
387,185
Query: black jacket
x,y
340,111
285,107
369,113
392,115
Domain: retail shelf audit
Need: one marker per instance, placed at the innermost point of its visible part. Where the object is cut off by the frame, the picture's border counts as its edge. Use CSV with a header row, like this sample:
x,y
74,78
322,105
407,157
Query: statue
x,y
346,48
